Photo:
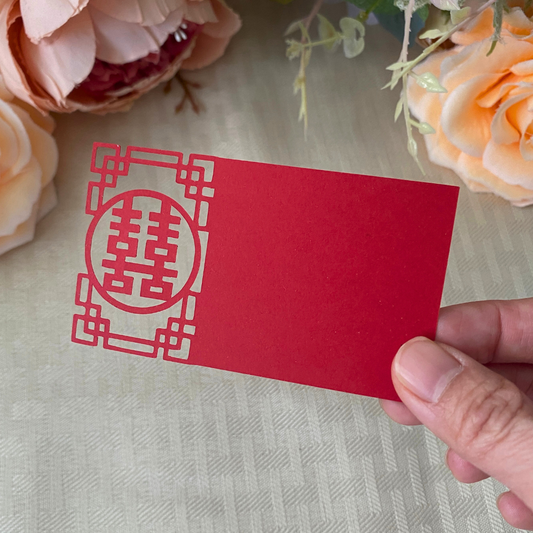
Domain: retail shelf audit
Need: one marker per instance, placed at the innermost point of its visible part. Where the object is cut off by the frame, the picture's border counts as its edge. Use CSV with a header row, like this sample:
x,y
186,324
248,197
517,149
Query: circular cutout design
x,y
142,251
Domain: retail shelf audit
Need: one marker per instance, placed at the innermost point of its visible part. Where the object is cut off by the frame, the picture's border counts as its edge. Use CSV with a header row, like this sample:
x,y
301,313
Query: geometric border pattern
x,y
172,341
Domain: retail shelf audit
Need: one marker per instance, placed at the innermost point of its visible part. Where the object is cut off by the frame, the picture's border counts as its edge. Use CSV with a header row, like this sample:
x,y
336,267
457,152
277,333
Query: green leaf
x,y
458,16
426,129
385,7
432,34
430,82
295,26
398,110
423,12
351,27
448,5
412,148
396,77
437,24
398,65
353,47
327,32
353,32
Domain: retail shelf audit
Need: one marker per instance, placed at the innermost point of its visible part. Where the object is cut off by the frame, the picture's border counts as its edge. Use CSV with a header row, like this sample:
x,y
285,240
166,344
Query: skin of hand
x,y
473,388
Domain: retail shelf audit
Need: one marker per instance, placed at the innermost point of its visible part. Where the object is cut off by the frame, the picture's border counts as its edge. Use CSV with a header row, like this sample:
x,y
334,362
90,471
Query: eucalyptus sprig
x,y
351,35
403,69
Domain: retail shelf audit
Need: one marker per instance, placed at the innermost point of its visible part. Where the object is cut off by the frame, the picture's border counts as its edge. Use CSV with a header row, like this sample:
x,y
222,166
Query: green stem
x,y
412,64
408,125
331,40
363,16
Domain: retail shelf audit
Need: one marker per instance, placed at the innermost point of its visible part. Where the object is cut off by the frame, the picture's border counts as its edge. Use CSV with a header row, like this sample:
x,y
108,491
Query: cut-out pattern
x,y
143,251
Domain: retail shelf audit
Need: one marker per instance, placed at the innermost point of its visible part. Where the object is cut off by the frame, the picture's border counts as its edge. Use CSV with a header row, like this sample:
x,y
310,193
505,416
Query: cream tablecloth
x,y
97,441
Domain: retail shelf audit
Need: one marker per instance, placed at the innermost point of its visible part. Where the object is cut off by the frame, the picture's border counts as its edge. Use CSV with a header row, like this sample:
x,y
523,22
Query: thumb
x,y
482,416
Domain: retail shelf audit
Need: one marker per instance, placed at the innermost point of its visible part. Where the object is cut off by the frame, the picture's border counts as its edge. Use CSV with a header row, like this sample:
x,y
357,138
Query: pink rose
x,y
100,55
27,166
484,123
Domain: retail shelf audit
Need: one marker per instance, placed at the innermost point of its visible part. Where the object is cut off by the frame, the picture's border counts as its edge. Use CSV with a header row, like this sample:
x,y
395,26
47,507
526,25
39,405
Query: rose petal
x,y
498,90
18,196
517,22
503,132
170,25
41,21
524,68
451,62
200,12
123,103
43,146
477,30
474,186
526,202
12,74
472,171
5,93
506,162
121,42
472,61
15,143
24,233
228,22
206,50
144,12
47,201
463,121
440,150
521,116
52,62
526,147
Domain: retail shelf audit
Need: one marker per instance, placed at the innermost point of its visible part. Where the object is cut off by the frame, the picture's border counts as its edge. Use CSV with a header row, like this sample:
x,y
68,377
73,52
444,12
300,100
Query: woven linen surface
x,y
97,441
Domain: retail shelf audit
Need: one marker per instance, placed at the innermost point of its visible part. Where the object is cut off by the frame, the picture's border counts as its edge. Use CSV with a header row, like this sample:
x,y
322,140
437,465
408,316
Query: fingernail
x,y
425,368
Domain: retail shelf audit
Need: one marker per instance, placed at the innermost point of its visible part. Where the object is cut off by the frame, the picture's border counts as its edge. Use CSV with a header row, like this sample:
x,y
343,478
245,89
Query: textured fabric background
x,y
96,441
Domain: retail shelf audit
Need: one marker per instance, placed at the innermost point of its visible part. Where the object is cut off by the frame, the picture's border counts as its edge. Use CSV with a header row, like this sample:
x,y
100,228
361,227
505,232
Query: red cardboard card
x,y
300,275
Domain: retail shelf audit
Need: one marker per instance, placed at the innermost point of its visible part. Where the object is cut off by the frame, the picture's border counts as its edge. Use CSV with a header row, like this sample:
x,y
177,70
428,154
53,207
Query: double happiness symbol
x,y
144,252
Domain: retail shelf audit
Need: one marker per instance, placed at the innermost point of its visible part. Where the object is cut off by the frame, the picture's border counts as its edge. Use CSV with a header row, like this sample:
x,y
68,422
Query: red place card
x,y
294,274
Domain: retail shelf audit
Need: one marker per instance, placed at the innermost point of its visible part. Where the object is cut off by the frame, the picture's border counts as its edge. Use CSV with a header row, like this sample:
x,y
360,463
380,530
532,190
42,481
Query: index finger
x,y
496,331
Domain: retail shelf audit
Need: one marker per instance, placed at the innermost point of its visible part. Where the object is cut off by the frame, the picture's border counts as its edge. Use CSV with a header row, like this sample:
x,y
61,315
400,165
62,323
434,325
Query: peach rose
x,y
27,166
484,123
100,55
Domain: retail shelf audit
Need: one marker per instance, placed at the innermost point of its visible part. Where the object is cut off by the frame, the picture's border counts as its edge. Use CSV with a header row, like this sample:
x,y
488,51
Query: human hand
x,y
483,413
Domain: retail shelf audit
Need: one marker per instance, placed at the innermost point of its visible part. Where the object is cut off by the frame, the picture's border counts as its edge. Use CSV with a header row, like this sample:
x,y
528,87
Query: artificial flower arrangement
x,y
469,92
85,55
